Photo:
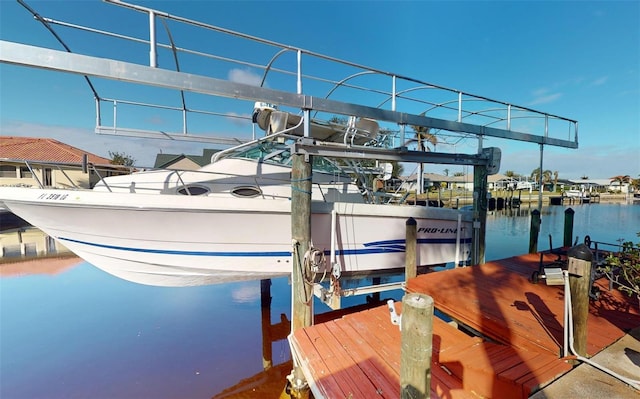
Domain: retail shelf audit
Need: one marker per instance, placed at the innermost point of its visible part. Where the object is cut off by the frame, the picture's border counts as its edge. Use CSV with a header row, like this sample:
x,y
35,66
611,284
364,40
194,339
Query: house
x,y
464,182
620,184
410,183
34,162
184,162
586,185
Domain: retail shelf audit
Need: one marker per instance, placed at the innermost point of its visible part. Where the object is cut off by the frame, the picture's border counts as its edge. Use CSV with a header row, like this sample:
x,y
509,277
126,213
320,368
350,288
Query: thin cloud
x,y
245,76
545,99
600,81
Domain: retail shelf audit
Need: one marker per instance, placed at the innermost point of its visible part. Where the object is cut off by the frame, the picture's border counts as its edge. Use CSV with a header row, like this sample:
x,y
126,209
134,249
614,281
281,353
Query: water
x,y
85,334
508,230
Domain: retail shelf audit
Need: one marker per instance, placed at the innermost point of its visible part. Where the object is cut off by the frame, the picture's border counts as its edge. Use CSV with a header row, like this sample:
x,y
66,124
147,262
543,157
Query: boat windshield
x,y
280,154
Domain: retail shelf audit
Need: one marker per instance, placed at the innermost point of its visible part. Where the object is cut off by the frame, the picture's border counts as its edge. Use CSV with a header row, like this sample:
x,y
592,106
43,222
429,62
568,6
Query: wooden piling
x,y
568,227
579,268
480,205
301,291
301,234
416,345
411,244
533,233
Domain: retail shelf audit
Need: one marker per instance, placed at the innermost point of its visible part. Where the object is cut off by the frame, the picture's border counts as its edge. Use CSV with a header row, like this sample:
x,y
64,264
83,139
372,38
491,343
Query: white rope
x,y
569,330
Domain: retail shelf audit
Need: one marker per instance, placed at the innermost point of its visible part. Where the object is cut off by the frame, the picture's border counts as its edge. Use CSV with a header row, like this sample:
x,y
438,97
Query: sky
x,y
576,59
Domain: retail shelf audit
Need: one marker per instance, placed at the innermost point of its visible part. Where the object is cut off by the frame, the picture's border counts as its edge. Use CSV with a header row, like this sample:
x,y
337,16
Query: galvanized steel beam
x,y
383,154
38,57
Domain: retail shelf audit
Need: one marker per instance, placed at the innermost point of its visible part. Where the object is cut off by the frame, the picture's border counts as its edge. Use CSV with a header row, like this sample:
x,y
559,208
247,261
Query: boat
x,y
578,195
573,193
231,219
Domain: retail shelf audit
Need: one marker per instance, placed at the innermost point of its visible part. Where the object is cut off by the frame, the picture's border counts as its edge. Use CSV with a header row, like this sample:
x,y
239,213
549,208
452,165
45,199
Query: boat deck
x,y
358,355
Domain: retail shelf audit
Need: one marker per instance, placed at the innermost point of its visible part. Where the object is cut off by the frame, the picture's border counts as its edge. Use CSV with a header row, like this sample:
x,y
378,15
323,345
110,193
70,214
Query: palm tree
x,y
535,174
424,136
621,179
546,176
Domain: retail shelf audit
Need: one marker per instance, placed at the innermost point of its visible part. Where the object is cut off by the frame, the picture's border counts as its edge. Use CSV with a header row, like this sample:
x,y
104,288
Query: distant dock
x,y
565,199
510,345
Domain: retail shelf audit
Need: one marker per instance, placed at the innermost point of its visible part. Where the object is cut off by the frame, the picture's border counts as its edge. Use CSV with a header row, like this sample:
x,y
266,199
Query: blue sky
x,y
576,59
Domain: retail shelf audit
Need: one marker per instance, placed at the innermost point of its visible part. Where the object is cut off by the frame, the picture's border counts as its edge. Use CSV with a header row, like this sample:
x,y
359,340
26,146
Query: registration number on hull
x,y
53,196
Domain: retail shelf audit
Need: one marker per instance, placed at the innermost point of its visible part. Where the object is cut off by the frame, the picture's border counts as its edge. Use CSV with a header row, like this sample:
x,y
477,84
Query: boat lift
x,y
357,91
303,81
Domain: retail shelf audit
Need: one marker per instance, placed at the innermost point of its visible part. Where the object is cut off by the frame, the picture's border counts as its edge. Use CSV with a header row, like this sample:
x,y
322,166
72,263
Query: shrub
x,y
623,268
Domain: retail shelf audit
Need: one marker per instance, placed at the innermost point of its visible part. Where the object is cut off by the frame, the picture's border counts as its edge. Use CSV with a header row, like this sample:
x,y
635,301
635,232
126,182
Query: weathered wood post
x,y
416,342
533,233
568,227
480,205
579,269
301,235
301,292
411,245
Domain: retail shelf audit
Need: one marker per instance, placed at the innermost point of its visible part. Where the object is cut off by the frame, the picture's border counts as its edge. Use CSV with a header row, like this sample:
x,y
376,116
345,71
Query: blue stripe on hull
x,y
376,247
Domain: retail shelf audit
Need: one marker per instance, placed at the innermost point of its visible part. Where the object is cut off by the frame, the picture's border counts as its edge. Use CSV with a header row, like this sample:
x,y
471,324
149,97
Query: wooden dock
x,y
358,355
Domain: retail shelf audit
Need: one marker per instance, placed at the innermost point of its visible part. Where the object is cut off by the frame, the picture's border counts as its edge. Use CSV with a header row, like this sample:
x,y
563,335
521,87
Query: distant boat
x,y
576,194
231,219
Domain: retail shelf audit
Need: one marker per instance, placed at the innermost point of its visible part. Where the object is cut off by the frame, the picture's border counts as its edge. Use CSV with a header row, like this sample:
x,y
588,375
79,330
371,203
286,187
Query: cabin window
x,y
193,190
246,192
8,171
25,173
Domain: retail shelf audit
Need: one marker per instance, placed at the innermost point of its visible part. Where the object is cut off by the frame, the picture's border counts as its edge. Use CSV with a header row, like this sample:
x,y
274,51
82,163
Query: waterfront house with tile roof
x,y
31,161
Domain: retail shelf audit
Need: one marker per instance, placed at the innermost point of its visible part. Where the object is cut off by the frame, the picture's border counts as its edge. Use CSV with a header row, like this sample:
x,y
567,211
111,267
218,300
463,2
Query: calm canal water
x,y
82,333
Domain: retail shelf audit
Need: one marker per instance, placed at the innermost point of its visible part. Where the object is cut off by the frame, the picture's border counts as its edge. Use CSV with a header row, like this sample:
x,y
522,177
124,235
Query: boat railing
x,y
296,78
284,133
322,187
100,171
63,168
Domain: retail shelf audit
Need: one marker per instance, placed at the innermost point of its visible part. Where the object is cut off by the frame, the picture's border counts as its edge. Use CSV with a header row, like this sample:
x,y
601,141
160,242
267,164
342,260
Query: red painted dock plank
x,y
358,355
507,307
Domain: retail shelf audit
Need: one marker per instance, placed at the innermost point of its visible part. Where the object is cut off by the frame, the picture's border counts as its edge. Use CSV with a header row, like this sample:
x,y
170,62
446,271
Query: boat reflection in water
x,y
84,333
78,332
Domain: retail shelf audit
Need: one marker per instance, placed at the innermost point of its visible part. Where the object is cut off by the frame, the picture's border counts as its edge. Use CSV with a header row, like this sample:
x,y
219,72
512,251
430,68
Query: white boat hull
x,y
196,240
